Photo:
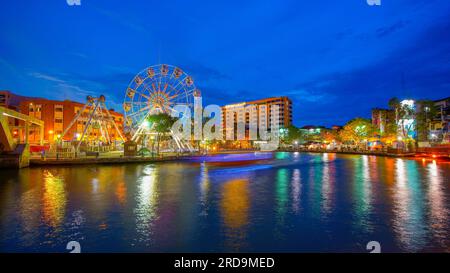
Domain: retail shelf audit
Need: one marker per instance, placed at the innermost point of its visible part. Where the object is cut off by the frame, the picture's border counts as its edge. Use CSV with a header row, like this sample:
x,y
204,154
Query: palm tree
x,y
394,104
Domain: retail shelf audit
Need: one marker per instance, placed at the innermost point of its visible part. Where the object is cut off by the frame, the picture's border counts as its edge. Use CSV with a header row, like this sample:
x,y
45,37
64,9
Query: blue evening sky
x,y
335,59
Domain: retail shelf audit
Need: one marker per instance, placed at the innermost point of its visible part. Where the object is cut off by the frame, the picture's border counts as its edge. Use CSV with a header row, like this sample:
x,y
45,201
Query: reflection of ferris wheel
x,y
156,89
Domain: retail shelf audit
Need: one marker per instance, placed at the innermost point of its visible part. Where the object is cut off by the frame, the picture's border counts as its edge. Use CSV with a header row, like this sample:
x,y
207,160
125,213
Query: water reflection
x,y
204,188
328,182
121,192
147,198
53,200
362,193
290,202
316,180
408,221
235,205
296,190
28,208
282,192
439,212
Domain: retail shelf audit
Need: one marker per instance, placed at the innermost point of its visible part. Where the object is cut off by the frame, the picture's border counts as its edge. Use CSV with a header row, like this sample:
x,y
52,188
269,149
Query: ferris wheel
x,y
156,89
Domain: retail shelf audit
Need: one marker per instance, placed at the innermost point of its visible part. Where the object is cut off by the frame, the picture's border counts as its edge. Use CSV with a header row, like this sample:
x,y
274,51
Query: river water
x,y
283,202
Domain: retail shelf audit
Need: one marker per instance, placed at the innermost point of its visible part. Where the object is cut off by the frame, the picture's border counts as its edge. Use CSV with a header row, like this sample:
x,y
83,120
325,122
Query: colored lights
x,y
146,124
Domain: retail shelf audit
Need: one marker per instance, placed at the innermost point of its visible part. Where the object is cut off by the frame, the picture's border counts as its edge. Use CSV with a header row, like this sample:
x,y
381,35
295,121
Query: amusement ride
x,y
154,90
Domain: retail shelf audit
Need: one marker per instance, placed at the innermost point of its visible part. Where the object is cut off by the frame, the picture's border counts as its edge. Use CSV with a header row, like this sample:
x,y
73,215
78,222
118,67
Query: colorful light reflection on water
x,y
288,202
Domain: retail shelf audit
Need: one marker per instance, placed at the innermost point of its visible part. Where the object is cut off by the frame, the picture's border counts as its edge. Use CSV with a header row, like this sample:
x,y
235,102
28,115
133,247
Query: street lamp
x,y
427,109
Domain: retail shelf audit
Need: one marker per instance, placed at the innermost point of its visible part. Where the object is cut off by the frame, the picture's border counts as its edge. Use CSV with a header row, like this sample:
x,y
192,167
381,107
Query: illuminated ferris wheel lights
x,y
156,89
138,80
146,124
150,73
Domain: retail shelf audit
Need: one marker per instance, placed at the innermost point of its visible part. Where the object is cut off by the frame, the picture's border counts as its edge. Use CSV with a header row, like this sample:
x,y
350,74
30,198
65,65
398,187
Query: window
x,y
59,108
58,120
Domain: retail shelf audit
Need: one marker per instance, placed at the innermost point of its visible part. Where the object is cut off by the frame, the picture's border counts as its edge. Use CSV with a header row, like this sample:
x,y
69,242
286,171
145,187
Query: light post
x,y
427,109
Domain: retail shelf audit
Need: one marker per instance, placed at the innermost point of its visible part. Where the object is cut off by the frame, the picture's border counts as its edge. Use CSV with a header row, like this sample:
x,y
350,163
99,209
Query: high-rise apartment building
x,y
253,113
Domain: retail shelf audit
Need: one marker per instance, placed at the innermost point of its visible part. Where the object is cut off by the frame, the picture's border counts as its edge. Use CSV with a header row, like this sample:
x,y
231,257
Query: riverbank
x,y
101,160
355,153
411,155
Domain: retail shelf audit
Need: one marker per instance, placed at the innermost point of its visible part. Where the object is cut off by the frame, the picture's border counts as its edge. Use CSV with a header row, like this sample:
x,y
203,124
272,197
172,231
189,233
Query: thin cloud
x,y
38,75
385,31
66,86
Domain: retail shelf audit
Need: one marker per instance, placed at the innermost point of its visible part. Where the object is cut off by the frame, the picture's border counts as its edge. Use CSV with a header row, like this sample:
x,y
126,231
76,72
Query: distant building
x,y
312,129
10,100
382,117
440,124
336,127
261,110
438,130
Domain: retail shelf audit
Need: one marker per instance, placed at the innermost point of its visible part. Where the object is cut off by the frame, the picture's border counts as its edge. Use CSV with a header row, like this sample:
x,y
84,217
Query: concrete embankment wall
x,y
19,158
81,161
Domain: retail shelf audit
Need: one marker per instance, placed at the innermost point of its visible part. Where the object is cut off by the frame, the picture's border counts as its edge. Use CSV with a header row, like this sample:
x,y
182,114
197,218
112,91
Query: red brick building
x,y
57,116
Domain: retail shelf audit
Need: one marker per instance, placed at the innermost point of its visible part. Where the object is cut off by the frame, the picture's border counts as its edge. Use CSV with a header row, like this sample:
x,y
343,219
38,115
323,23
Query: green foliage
x,y
161,124
291,135
144,152
328,135
357,130
402,113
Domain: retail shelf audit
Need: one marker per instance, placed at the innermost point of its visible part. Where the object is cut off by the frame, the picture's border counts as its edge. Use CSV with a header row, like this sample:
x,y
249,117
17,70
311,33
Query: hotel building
x,y
252,113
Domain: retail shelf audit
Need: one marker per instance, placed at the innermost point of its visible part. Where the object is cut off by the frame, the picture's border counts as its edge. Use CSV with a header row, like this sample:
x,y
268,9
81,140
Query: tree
x,y
161,123
356,131
328,136
403,113
291,135
394,104
390,133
